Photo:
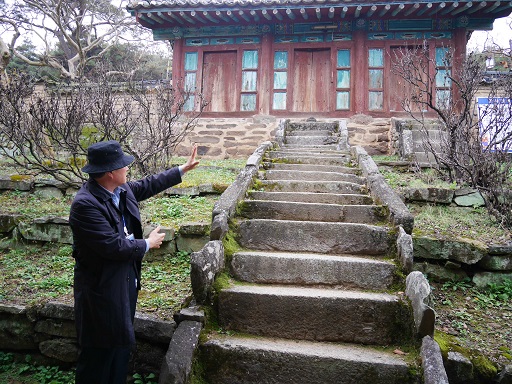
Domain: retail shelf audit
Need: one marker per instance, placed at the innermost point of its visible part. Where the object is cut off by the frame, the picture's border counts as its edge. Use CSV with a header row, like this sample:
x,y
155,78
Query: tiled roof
x,y
136,4
158,14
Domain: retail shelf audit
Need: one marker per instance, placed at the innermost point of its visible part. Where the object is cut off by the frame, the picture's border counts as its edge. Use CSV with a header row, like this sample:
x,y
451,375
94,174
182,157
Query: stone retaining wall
x,y
223,138
189,237
451,259
48,334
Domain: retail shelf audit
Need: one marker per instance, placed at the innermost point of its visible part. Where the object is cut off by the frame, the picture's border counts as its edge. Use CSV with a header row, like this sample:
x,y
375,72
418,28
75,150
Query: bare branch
x,y
486,168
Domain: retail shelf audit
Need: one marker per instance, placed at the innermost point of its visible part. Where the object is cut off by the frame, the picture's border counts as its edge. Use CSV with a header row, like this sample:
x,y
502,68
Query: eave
x,y
183,15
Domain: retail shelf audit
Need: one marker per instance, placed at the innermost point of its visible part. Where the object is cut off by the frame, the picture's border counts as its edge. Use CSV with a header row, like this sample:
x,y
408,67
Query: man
x,y
108,248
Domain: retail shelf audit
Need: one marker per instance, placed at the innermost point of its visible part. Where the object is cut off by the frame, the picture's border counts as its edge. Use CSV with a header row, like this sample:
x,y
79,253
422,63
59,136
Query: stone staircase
x,y
310,300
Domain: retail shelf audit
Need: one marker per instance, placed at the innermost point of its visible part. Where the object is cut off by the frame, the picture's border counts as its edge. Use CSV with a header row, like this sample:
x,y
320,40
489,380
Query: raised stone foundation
x,y
226,138
223,138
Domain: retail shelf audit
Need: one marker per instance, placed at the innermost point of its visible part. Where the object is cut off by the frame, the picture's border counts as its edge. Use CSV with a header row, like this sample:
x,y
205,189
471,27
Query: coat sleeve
x,y
100,232
151,185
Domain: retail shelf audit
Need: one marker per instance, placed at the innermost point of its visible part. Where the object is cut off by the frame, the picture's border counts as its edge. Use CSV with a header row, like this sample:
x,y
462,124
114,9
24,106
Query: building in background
x,y
305,57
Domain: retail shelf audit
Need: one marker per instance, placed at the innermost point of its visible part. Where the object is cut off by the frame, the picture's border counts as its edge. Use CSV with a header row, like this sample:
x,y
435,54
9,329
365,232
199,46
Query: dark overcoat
x,y
106,261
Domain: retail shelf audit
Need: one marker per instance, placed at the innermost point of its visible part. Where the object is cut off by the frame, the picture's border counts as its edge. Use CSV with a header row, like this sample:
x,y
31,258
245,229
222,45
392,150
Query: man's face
x,y
119,175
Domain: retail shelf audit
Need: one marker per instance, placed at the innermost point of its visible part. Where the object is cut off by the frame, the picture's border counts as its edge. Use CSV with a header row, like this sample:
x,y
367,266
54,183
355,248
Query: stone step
x,y
318,314
312,148
294,153
310,140
315,236
257,360
309,133
312,186
284,210
332,147
313,197
311,126
313,176
308,159
311,167
302,269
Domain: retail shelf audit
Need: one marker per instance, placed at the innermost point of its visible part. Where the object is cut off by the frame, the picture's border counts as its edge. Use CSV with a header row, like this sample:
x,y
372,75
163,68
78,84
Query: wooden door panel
x,y
311,80
219,81
321,73
301,92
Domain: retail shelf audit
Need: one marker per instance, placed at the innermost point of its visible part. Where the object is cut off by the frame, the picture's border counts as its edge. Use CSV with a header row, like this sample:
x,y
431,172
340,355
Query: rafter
x,y
439,8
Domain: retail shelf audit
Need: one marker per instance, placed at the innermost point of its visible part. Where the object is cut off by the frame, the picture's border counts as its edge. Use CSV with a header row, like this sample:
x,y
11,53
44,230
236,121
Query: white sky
x,y
500,34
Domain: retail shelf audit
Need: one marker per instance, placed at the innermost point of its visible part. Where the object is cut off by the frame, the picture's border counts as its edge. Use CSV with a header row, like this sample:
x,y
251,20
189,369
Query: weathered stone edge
x,y
225,207
381,191
418,291
432,362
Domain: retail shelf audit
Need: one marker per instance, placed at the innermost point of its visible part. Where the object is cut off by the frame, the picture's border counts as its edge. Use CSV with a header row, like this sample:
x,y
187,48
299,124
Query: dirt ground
x,y
478,319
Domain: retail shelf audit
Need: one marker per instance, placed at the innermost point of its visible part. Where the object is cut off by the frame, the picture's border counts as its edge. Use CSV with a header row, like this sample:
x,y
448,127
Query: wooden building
x,y
328,58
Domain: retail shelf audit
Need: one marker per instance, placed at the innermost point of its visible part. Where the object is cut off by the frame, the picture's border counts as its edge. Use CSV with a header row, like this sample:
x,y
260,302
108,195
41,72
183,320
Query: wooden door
x,y
400,89
219,86
311,80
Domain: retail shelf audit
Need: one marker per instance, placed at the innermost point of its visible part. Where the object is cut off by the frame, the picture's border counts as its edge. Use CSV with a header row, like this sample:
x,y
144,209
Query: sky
x,y
501,34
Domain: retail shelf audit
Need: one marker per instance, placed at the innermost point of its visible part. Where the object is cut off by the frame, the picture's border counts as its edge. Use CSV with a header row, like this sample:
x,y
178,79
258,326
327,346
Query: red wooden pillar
x,y
177,64
359,80
266,75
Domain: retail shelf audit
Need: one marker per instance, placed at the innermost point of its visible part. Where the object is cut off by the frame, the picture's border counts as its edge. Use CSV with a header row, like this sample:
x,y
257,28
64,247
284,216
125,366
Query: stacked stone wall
x,y
229,138
225,138
373,134
47,332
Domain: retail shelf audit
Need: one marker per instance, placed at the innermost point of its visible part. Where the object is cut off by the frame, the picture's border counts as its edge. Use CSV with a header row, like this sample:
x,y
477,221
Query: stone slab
x,y
282,210
418,291
311,167
319,237
465,251
432,362
52,229
313,176
499,263
312,159
310,139
315,314
312,186
264,361
177,364
312,197
312,269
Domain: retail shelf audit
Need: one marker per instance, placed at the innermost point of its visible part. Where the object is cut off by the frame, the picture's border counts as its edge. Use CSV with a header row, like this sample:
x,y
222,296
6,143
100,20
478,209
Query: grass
x,y
458,222
16,369
422,179
445,221
477,319
175,211
32,205
159,279
219,176
35,274
27,372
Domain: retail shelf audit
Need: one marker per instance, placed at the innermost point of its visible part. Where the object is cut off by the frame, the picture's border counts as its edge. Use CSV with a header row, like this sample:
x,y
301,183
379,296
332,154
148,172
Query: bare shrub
x,y
461,153
49,131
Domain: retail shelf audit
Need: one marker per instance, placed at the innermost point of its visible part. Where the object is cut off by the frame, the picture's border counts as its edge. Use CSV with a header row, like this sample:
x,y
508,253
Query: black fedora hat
x,y
106,156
